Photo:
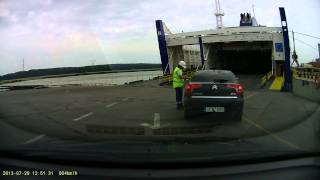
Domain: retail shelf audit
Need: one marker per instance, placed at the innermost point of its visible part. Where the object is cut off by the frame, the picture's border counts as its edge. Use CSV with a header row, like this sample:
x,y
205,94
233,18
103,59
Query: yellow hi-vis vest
x,y
177,80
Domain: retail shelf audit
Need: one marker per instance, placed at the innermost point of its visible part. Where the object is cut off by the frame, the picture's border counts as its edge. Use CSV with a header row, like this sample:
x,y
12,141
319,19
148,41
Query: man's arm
x,y
180,74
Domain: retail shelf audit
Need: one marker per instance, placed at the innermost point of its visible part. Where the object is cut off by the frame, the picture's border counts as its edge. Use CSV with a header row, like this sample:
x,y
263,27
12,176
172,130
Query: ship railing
x,y
265,79
311,74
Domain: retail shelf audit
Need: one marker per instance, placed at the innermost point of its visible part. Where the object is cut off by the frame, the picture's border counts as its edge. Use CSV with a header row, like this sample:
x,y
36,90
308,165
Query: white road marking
x,y
125,99
83,116
112,104
251,95
145,124
156,123
34,139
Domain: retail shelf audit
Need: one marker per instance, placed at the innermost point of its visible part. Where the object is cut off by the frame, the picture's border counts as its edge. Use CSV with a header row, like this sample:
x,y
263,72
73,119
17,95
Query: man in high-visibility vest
x,y
178,83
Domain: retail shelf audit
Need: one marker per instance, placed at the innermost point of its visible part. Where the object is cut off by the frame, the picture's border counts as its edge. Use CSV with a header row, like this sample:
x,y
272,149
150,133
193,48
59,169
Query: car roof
x,y
212,75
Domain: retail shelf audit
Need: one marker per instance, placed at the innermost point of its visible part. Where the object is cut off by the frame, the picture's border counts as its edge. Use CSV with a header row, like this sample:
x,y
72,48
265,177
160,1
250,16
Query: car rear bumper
x,y
198,105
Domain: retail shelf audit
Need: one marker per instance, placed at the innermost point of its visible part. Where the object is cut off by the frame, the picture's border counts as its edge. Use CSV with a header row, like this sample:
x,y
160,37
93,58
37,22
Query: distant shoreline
x,y
76,74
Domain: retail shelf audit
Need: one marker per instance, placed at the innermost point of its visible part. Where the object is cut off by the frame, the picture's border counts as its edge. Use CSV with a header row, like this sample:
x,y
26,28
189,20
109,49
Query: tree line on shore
x,y
76,70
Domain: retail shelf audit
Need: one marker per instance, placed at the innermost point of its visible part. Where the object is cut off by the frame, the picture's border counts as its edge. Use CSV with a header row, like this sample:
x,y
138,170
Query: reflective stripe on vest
x,y
177,81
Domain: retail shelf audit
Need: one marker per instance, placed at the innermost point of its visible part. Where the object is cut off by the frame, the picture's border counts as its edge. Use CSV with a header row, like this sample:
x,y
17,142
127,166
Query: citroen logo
x,y
214,87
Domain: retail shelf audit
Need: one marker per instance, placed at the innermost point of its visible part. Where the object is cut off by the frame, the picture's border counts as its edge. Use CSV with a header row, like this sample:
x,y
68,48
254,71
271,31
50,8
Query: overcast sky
x,y
58,33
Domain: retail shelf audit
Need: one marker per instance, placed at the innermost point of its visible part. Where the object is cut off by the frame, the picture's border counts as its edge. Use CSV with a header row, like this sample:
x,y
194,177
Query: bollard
x,y
156,121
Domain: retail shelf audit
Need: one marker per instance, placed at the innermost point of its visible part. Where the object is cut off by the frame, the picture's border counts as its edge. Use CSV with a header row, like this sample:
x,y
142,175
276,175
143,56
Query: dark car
x,y
214,91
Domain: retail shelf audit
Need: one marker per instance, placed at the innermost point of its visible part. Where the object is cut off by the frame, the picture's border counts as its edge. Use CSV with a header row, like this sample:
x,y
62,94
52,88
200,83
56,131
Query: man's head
x,y
182,64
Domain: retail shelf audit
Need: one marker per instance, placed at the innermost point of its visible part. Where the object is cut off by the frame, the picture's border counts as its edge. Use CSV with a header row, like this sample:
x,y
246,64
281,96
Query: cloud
x,y
6,16
121,29
55,32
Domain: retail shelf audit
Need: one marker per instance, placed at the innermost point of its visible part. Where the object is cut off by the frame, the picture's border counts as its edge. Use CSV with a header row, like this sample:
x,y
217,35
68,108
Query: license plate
x,y
214,109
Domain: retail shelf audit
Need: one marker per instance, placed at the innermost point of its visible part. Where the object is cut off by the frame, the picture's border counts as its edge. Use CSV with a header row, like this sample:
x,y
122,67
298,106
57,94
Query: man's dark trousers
x,y
179,94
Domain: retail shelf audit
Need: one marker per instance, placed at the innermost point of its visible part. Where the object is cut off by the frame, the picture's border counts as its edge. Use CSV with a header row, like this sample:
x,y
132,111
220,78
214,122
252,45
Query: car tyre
x,y
237,116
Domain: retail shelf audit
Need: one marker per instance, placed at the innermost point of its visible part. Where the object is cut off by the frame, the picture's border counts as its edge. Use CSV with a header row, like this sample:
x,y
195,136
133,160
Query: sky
x,y
59,33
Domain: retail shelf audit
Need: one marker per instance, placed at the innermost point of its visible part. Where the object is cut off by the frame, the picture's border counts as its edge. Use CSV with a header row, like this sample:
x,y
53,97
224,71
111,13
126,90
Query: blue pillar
x,y
162,47
201,52
287,69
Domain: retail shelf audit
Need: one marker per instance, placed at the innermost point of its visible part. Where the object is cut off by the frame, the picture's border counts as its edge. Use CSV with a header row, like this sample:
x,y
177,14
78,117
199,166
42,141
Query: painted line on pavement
x,y
156,122
272,134
34,139
125,99
112,104
83,116
251,95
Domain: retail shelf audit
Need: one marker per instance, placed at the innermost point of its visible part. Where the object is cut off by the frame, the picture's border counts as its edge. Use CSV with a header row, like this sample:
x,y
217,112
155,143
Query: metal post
x,y
162,46
294,43
294,54
218,14
23,64
201,52
287,69
319,50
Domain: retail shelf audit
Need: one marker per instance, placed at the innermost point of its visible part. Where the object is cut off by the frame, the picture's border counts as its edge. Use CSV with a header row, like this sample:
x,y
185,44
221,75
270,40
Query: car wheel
x,y
238,116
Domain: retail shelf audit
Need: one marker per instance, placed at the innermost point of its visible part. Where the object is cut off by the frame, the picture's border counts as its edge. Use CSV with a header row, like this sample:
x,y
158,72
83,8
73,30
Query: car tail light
x,y
237,87
190,87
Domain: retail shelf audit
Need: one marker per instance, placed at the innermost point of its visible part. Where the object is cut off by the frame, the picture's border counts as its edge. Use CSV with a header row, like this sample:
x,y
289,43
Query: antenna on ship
x,y
254,14
253,18
219,13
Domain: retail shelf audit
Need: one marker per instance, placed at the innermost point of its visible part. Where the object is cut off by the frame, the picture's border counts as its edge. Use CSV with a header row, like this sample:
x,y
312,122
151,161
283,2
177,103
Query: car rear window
x,y
214,76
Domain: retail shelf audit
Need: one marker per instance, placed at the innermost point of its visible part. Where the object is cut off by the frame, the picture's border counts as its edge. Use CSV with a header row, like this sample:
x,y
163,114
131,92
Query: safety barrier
x,y
309,89
166,79
308,73
265,79
317,83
